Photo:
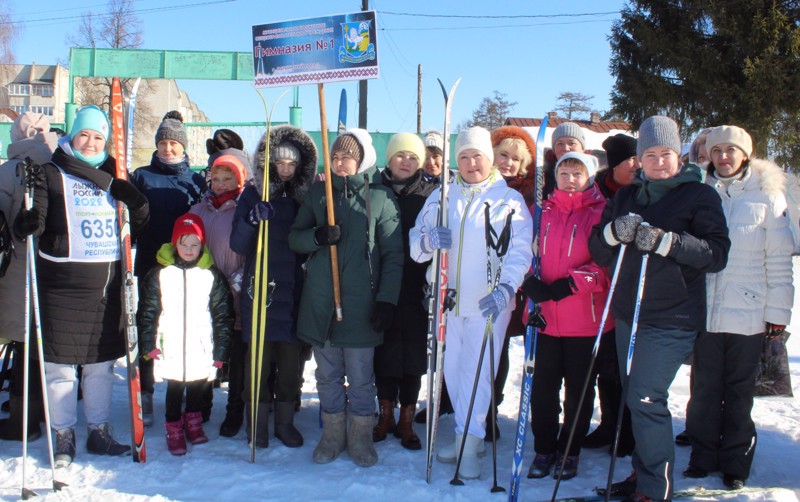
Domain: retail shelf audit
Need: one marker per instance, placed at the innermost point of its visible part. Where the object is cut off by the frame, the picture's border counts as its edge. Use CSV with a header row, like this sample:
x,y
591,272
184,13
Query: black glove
x,y
327,235
561,288
536,319
26,222
382,316
623,229
536,290
653,240
125,192
33,173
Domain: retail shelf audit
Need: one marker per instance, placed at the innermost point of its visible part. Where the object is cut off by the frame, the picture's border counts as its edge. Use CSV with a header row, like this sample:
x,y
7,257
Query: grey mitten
x,y
622,229
653,240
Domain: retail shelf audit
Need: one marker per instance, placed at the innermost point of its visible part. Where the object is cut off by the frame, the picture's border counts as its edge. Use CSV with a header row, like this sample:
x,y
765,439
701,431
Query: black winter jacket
x,y
404,349
80,302
675,286
171,191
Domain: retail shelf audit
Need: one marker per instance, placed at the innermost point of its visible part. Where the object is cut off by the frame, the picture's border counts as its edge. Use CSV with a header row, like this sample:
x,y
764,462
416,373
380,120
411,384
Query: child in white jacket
x,y
483,289
185,322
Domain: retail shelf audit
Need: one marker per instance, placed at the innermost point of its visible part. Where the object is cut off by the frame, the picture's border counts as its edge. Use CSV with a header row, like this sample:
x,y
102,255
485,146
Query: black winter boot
x,y
232,423
65,447
262,425
101,442
284,425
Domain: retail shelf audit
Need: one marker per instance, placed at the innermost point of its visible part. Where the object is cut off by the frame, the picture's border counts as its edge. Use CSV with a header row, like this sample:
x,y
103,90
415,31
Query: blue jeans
x,y
657,356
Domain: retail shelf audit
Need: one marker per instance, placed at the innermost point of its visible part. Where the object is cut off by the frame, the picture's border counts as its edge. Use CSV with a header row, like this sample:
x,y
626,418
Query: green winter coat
x,y
362,281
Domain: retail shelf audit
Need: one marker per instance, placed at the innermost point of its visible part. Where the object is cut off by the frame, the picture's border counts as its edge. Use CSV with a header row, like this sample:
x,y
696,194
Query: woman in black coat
x,y
401,360
670,215
79,273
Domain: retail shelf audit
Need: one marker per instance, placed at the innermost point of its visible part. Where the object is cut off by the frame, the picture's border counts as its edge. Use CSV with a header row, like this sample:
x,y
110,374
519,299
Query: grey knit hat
x,y
570,129
658,131
171,127
286,151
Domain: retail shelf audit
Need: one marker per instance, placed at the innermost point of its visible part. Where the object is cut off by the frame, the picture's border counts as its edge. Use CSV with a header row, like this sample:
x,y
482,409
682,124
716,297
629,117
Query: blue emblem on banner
x,y
357,46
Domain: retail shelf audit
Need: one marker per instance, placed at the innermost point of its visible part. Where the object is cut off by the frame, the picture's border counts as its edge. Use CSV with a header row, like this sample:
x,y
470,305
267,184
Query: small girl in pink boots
x,y
185,322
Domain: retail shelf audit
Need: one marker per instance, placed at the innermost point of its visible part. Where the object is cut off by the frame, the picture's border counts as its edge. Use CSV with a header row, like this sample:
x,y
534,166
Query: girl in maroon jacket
x,y
572,292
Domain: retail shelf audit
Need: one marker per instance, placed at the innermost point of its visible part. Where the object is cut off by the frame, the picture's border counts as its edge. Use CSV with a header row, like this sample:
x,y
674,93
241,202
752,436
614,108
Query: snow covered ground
x,y
221,470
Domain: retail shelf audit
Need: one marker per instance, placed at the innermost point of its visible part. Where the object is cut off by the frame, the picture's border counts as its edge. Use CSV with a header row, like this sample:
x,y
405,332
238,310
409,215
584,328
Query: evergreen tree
x,y
709,62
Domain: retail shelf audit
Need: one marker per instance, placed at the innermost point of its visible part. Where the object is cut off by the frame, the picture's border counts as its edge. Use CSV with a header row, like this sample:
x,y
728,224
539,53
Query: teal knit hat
x,y
92,118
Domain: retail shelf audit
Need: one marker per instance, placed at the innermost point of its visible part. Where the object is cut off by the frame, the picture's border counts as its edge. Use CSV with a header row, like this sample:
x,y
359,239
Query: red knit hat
x,y
233,164
189,224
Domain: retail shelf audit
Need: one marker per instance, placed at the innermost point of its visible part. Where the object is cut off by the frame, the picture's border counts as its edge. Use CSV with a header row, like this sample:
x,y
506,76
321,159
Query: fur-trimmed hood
x,y
771,179
304,176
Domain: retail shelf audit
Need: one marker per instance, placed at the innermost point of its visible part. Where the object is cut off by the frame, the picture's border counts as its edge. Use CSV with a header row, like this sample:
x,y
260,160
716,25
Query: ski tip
x,y
444,91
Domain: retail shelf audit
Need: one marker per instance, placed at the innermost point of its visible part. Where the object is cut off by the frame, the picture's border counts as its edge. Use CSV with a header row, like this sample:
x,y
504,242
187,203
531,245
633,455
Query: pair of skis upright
x,y
440,297
531,333
124,149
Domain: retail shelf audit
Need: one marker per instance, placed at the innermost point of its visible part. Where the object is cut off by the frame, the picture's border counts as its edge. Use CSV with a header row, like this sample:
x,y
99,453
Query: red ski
x,y
128,294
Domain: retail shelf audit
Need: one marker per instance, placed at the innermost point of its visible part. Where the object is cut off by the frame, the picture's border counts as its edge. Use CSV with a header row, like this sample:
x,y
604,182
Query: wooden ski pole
x,y
326,166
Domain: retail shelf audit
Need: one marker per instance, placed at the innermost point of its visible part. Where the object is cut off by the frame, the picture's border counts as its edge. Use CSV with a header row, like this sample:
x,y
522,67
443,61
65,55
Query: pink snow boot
x,y
193,422
176,442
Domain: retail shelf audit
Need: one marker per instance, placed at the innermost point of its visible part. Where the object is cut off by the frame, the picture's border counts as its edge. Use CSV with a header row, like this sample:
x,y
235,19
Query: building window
x,y
44,110
20,108
20,89
43,90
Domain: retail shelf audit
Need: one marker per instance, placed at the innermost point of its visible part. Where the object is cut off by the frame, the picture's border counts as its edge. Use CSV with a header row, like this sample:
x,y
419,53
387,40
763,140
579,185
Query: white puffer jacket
x,y
186,349
467,222
756,286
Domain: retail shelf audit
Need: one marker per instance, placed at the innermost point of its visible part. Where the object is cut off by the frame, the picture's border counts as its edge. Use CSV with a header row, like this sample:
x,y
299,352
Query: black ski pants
x,y
560,359
195,397
718,418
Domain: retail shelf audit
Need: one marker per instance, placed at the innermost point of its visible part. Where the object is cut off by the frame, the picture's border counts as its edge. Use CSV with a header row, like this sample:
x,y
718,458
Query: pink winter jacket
x,y
218,224
567,221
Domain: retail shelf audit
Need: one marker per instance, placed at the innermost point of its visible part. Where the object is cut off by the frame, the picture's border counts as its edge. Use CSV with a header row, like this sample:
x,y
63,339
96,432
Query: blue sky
x,y
531,59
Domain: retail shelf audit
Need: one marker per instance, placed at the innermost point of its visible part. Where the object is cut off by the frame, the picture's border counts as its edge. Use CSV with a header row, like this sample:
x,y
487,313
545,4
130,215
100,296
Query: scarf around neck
x,y
651,191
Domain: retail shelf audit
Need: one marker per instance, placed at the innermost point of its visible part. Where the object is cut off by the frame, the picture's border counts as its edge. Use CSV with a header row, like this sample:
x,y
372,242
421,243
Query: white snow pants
x,y
462,351
97,383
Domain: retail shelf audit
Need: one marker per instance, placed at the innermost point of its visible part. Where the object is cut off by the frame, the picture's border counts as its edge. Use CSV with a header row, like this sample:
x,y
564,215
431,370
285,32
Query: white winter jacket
x,y
467,271
756,286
